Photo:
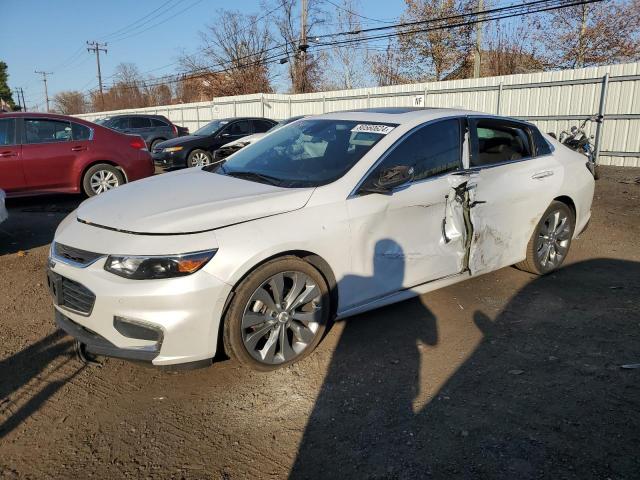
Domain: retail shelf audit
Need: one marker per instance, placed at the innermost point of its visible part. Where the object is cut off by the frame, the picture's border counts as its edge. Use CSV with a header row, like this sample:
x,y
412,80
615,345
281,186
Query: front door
x,y
416,233
48,153
11,172
511,185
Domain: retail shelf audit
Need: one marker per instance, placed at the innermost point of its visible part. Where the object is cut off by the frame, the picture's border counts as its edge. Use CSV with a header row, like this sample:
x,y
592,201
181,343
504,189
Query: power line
x,y
122,30
357,14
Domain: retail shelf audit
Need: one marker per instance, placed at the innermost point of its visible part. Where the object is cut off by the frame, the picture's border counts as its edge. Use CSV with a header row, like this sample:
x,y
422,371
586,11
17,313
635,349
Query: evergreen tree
x,y
5,91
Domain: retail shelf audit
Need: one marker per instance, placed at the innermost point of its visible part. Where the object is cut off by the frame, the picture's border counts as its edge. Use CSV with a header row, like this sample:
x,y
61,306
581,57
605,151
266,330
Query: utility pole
x,y
44,79
303,48
96,48
17,92
24,104
477,57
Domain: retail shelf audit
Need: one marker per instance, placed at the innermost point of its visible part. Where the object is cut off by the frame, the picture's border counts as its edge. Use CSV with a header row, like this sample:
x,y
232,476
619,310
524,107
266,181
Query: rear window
x,y
80,132
158,123
139,122
542,146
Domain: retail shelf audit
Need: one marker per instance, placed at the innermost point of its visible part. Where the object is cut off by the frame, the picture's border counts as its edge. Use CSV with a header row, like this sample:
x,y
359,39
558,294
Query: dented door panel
x,y
506,203
410,237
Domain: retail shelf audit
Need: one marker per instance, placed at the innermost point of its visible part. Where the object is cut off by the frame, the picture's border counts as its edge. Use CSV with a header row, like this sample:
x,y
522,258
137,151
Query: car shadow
x,y
542,396
33,221
31,376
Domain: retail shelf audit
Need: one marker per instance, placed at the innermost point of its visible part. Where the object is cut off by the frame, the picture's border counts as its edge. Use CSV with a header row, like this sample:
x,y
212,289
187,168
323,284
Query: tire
x,y
100,178
266,338
549,244
198,158
155,142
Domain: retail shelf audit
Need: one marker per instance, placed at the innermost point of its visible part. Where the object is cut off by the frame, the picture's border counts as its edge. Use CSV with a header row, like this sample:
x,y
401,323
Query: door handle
x,y
8,153
79,148
541,175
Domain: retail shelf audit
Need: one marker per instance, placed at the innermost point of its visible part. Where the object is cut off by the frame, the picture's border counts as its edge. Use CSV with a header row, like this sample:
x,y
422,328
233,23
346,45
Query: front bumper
x,y
185,312
169,160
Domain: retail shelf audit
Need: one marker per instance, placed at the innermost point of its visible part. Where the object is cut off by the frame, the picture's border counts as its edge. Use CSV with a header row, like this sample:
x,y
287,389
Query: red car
x,y
46,153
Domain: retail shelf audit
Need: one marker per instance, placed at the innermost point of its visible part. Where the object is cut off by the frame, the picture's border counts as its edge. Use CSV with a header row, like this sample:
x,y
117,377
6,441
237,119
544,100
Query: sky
x,y
50,36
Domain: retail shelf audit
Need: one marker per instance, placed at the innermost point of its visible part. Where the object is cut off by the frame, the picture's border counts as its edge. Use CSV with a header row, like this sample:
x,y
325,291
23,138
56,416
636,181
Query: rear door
x,y
48,153
511,184
11,171
141,126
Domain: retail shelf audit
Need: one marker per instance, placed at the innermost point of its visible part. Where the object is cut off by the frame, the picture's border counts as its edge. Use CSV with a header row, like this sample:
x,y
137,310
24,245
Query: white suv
x,y
325,218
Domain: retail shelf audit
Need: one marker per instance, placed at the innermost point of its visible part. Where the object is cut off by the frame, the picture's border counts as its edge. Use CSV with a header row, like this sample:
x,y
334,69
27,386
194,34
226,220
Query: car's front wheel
x,y
198,158
551,239
100,178
278,314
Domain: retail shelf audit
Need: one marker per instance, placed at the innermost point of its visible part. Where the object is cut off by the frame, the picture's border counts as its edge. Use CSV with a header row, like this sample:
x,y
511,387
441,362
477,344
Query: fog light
x,y
137,329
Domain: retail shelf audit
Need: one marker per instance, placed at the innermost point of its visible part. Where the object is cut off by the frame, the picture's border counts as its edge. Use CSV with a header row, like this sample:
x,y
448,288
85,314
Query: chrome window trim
x,y
388,151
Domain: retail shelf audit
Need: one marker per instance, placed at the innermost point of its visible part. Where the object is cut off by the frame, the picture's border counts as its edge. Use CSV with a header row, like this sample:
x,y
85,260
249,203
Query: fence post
x,y
324,104
368,99
424,105
182,116
262,104
290,114
197,116
600,125
235,108
499,99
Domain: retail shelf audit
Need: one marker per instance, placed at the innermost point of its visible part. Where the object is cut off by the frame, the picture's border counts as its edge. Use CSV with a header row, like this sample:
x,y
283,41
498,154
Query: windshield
x,y
211,127
308,153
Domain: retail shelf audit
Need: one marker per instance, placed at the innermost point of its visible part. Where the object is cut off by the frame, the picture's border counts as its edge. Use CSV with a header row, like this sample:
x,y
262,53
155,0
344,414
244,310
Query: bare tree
x,y
349,63
591,34
232,57
306,69
69,102
386,66
435,53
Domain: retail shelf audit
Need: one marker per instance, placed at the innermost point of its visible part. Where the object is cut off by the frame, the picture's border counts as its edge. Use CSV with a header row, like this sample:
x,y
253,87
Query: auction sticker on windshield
x,y
372,128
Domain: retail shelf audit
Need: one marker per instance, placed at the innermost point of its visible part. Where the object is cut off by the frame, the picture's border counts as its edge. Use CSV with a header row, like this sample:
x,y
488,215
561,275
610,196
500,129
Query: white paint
x,y
3,209
381,248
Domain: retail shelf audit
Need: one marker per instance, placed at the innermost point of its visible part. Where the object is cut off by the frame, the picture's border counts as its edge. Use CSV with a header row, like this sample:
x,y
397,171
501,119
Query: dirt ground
x,y
504,376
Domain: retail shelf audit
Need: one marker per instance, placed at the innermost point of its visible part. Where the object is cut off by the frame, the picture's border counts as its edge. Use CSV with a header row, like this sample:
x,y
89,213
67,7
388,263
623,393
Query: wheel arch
x,y
313,259
568,201
97,162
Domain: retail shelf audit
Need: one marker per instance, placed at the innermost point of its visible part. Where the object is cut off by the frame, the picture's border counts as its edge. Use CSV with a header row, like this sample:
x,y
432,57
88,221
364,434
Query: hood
x,y
188,201
184,140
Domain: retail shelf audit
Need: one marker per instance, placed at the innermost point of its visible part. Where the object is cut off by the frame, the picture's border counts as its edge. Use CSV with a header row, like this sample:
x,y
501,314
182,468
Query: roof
x,y
398,115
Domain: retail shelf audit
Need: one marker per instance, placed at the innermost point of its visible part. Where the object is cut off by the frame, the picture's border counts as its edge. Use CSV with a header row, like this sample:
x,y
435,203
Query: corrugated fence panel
x,y
553,100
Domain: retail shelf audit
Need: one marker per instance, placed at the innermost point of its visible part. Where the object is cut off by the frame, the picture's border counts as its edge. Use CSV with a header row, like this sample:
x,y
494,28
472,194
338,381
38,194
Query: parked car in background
x,y
330,216
46,153
232,147
153,128
3,209
197,149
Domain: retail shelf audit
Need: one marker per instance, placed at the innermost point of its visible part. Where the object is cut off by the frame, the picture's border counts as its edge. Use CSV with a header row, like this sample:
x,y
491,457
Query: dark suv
x,y
153,128
197,150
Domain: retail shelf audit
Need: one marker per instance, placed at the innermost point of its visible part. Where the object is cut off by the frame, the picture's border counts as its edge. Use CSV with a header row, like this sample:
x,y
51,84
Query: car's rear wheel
x,y
551,239
278,314
100,178
198,158
155,143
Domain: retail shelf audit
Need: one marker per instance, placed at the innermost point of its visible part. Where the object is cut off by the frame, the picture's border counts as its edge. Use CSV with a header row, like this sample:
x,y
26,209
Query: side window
x,y
120,123
139,122
80,132
239,128
498,142
261,126
158,123
542,146
7,131
46,131
432,150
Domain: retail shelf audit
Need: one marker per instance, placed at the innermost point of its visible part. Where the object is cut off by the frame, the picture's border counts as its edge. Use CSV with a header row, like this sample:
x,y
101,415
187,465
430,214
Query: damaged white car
x,y
325,218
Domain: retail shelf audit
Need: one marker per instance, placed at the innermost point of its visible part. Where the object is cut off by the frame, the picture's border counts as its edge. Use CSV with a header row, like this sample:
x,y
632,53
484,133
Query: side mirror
x,y
388,179
225,135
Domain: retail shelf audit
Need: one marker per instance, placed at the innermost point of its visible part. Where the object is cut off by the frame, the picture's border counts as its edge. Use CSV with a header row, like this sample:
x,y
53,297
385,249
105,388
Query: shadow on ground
x,y
542,396
33,221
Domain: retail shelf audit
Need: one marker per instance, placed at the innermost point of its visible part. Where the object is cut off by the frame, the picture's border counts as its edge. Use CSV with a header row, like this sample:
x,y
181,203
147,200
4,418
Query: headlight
x,y
172,149
153,267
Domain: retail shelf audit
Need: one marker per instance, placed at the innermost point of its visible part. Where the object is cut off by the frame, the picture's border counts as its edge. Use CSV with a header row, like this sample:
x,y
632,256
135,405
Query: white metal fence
x,y
552,100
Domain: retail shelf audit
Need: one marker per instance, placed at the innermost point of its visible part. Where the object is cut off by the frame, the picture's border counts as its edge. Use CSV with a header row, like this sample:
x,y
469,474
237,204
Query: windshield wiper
x,y
255,176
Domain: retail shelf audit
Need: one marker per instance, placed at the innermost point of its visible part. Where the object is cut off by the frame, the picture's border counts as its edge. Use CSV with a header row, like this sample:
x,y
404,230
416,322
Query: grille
x,y
76,296
75,255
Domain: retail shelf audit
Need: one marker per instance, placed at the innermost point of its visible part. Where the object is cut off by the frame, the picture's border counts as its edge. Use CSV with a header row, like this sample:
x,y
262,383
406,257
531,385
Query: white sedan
x,y
325,218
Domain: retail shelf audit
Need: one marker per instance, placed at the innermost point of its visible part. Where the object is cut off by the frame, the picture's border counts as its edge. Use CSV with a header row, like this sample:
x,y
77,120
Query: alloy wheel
x,y
200,159
282,317
553,239
103,180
